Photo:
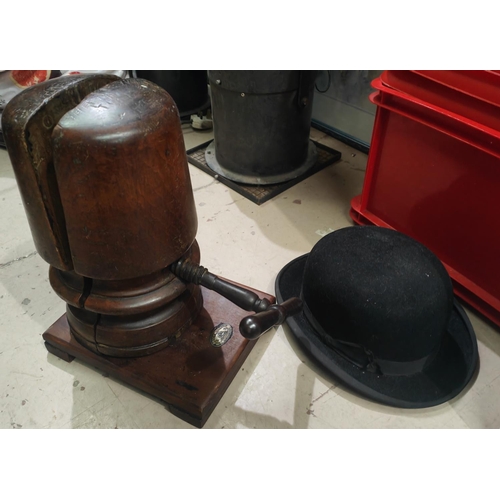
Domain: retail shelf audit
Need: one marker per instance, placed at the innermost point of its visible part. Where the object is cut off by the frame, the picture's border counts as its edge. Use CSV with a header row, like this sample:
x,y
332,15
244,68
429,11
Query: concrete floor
x,y
277,387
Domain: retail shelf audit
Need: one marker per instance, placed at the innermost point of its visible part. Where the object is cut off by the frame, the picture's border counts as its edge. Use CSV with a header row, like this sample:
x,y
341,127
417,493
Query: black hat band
x,y
363,358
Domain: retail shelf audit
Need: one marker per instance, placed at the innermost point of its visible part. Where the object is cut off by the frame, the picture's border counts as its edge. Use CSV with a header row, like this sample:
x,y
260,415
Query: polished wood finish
x,y
27,124
124,182
133,317
103,174
190,376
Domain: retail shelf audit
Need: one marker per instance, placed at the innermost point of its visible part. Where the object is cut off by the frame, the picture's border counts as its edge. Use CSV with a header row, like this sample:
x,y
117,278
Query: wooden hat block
x,y
102,170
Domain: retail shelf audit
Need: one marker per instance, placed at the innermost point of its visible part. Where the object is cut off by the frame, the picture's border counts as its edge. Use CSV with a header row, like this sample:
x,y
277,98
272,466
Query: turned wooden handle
x,y
252,327
199,275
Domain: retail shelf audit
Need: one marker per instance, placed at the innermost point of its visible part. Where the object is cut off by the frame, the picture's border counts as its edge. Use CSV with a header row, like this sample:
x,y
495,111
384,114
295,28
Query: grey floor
x,y
277,387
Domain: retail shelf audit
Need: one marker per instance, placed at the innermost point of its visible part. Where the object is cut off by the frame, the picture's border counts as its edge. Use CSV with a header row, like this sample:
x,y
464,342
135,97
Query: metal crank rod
x,y
251,327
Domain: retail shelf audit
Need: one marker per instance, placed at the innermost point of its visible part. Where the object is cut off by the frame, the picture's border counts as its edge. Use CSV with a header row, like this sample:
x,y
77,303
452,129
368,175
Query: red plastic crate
x,y
468,103
435,175
482,85
472,94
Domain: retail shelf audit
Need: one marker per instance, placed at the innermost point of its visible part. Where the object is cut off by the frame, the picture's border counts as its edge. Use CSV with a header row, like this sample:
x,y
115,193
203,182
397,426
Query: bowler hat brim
x,y
444,378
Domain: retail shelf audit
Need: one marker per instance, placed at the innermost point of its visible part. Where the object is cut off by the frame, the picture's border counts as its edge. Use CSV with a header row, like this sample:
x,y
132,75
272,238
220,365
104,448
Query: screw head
x,y
221,334
243,94
217,82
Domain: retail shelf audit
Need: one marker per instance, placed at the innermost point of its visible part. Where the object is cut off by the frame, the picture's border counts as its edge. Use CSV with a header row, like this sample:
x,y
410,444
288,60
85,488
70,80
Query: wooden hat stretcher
x,y
102,170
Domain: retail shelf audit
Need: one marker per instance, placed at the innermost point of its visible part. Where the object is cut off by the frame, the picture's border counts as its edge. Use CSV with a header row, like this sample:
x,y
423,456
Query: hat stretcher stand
x,y
190,376
102,170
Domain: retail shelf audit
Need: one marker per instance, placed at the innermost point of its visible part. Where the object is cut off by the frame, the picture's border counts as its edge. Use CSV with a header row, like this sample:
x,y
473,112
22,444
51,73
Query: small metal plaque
x,y
221,334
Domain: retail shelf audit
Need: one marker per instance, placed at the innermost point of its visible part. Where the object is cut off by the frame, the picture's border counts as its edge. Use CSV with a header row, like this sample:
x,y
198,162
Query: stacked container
x,y
434,173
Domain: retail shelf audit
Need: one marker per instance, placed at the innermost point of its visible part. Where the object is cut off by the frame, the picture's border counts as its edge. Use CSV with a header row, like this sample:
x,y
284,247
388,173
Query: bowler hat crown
x,y
379,297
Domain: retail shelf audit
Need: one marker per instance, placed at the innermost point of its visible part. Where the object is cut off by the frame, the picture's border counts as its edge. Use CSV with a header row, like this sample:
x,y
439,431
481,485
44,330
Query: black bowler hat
x,y
379,315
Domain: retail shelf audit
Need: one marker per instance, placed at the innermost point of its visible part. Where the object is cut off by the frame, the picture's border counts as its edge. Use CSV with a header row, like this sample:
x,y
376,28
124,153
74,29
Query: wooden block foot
x,y
59,353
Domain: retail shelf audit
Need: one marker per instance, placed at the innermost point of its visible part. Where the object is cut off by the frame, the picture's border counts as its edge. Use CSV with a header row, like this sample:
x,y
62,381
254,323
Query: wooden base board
x,y
190,376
